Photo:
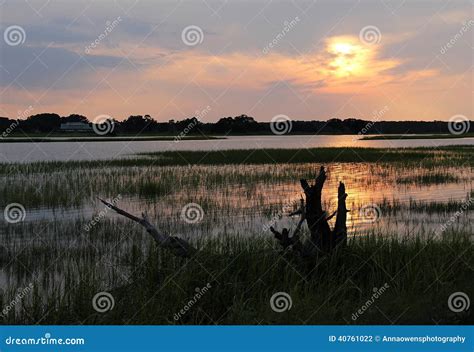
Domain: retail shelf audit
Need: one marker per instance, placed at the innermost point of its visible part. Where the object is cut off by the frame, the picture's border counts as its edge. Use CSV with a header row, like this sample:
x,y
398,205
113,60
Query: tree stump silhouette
x,y
323,239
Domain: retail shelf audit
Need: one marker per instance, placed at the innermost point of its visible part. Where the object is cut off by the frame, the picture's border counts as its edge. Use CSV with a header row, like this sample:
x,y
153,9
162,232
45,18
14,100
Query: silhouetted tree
x,y
75,118
238,124
242,124
138,123
46,122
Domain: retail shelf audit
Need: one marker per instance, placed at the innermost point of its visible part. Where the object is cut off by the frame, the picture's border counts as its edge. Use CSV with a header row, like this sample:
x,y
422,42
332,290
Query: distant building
x,y
75,127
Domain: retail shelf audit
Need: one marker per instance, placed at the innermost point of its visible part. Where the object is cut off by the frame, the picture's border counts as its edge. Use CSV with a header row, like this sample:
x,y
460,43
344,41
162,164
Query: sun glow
x,y
343,48
349,58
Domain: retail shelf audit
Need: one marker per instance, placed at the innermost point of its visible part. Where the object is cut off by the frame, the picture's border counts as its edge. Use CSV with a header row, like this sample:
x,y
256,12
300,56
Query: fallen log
x,y
178,246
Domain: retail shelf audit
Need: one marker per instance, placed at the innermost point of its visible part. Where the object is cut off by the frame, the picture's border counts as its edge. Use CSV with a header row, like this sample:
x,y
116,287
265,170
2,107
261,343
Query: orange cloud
x,y
343,63
171,84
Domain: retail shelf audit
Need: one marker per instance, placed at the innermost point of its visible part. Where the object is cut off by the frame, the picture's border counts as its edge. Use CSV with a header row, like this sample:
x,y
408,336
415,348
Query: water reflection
x,y
245,207
56,245
27,152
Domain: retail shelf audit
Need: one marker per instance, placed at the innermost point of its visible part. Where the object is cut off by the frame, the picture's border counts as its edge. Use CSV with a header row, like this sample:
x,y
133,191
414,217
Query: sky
x,y
308,60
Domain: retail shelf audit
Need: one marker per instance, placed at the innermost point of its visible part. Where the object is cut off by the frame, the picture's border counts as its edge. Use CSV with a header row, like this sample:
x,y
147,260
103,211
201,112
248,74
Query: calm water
x,y
247,204
63,151
244,202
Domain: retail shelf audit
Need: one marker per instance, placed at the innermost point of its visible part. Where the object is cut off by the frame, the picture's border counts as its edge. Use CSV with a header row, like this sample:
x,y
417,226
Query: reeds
x,y
150,286
69,253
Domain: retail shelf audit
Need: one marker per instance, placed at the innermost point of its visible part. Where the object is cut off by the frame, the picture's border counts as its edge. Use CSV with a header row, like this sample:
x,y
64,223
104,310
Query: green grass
x,y
459,155
245,272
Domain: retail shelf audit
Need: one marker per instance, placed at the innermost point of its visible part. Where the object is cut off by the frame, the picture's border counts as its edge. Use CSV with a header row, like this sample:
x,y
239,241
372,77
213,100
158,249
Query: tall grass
x,y
38,185
150,286
69,259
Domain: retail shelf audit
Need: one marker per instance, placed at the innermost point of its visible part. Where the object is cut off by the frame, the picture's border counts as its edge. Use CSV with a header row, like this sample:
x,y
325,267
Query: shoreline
x,y
104,139
148,138
416,136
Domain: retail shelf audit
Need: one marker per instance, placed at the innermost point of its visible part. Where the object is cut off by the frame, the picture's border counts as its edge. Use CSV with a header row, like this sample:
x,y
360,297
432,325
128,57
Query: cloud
x,y
144,67
56,33
36,67
343,62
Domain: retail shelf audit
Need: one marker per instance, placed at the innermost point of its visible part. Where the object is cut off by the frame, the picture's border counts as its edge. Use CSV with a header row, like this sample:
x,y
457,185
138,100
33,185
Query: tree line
x,y
243,124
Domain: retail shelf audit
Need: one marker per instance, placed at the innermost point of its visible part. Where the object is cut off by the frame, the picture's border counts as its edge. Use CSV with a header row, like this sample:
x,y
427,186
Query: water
x,y
248,197
64,151
60,242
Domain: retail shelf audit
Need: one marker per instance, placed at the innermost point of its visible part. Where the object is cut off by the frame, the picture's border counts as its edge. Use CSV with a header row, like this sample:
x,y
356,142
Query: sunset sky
x,y
171,59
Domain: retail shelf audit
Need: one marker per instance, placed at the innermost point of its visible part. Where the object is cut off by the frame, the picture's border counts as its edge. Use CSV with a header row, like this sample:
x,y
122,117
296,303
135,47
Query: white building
x,y
75,127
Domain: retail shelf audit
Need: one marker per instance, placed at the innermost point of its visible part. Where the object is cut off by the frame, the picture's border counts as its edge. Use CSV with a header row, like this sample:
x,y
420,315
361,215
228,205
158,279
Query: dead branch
x,y
176,245
293,241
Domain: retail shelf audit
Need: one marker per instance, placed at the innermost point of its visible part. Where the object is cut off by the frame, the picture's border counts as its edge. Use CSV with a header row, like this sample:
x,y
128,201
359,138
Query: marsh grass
x,y
239,192
244,273
432,207
39,185
428,179
401,157
320,155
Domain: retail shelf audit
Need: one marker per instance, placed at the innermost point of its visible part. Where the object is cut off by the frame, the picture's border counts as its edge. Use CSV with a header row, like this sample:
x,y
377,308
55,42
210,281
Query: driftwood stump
x,y
323,239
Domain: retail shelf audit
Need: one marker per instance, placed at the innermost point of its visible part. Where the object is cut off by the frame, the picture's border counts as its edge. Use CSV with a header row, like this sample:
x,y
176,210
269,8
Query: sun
x,y
343,48
348,58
